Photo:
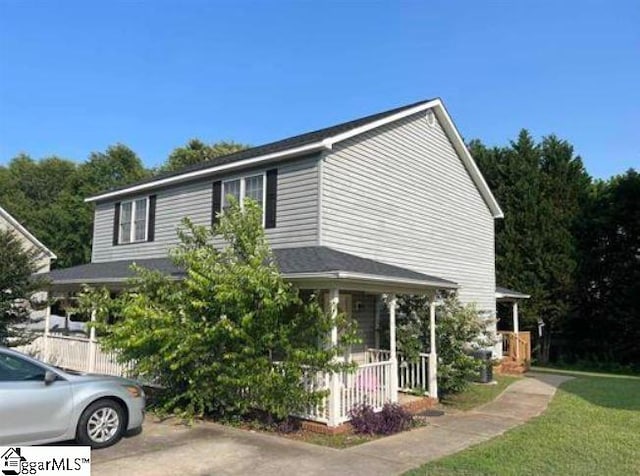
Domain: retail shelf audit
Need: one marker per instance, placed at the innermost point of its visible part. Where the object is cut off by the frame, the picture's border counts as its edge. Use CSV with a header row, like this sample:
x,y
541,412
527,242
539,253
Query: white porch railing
x,y
412,375
370,383
74,353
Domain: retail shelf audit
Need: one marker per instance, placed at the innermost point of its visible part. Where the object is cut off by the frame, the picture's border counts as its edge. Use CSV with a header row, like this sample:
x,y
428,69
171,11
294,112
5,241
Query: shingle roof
x,y
278,146
316,259
291,261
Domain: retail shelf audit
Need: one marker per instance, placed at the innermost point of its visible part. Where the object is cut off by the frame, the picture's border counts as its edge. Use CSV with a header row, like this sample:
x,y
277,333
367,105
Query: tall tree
x,y
540,188
196,151
47,196
606,321
17,288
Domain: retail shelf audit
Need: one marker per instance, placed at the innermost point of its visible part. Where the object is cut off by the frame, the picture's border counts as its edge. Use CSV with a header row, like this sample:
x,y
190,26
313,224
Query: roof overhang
x,y
327,144
507,295
258,160
366,282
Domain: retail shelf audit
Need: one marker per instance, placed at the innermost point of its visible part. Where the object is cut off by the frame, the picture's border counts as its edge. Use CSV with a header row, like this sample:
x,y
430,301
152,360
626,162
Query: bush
x,y
460,329
391,419
232,336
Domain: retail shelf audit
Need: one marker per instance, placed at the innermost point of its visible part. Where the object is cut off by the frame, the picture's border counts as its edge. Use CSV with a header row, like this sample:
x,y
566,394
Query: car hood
x,y
85,377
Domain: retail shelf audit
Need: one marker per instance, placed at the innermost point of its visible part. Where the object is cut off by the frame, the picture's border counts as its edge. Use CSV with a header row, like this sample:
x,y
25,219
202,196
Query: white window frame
x,y
243,179
132,223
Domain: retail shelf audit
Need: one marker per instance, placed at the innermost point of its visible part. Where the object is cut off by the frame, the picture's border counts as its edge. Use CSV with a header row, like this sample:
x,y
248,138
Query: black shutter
x,y
116,223
272,197
216,202
151,226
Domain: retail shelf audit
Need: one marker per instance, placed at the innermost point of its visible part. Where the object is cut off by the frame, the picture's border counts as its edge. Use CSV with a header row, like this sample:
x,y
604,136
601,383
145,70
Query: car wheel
x,y
101,424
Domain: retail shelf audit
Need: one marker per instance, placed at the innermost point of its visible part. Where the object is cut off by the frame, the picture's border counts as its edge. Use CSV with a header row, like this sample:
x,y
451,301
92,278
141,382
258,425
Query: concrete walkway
x,y
210,449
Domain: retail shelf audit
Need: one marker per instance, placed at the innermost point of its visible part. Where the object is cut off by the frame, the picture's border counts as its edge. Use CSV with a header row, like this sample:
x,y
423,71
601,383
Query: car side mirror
x,y
49,377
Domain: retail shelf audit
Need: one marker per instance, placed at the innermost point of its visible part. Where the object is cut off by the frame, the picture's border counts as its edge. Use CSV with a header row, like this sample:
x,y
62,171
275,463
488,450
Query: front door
x,y
30,410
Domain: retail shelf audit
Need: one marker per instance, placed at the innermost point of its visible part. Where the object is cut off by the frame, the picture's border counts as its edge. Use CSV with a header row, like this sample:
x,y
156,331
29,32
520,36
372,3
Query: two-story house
x,y
387,204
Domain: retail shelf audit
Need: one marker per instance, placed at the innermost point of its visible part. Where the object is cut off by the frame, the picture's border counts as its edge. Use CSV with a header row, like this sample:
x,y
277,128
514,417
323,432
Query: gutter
x,y
302,150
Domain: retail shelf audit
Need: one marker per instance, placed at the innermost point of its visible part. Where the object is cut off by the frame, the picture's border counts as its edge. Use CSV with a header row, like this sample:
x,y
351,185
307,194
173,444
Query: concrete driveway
x,y
211,449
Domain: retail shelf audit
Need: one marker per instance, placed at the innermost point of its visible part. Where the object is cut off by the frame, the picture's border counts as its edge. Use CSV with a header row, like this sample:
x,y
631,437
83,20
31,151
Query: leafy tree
x,y
197,151
233,335
17,288
540,188
460,329
47,196
605,324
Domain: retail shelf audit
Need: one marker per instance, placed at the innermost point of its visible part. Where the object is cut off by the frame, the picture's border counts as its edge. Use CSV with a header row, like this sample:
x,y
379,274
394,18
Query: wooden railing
x,y
516,347
74,353
412,374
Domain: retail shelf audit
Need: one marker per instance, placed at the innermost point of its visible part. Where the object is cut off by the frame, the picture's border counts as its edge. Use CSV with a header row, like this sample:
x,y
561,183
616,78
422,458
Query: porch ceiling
x,y
308,267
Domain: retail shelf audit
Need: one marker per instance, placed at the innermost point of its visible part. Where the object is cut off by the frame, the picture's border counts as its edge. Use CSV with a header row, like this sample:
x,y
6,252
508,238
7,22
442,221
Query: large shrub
x,y
460,329
233,335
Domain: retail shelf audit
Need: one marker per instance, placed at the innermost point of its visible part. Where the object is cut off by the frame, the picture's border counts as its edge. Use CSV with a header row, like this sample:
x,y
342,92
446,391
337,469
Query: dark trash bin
x,y
485,375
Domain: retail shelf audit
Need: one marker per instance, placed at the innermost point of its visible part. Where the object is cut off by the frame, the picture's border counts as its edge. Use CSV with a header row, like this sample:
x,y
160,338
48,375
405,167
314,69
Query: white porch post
x,y
393,378
516,329
334,383
377,321
47,326
433,357
93,343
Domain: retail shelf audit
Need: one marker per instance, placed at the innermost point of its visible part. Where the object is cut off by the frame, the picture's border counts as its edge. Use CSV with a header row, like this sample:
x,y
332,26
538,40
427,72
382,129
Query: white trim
x,y
315,146
471,166
16,224
370,277
132,231
512,296
328,143
243,190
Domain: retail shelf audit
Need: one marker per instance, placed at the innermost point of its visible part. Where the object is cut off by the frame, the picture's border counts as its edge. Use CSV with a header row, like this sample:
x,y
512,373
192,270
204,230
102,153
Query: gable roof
x,y
305,262
312,142
18,226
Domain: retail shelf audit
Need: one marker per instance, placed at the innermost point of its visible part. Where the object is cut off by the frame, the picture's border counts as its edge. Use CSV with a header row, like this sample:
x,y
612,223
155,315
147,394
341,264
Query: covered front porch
x,y
363,289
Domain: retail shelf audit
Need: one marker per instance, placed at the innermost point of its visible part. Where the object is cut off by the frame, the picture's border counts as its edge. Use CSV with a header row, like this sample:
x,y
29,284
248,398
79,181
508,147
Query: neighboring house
x,y
44,256
391,203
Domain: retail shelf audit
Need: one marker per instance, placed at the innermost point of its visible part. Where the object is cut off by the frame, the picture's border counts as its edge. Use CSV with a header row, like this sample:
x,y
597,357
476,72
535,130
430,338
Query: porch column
x,y
47,326
334,383
377,321
393,378
93,343
433,357
516,329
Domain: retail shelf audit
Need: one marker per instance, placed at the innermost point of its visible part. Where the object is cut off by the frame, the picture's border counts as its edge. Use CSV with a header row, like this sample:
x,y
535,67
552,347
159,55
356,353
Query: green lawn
x,y
592,426
477,394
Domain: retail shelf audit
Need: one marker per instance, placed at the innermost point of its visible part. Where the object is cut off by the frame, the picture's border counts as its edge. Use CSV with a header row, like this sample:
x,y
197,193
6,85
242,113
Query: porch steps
x,y
513,367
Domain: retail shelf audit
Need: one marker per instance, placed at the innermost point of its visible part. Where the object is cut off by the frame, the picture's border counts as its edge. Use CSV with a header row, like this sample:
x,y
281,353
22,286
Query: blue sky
x,y
76,77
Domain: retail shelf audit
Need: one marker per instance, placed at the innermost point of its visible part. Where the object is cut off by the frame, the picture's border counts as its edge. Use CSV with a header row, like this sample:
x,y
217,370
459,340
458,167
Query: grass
x,y
345,440
592,426
478,394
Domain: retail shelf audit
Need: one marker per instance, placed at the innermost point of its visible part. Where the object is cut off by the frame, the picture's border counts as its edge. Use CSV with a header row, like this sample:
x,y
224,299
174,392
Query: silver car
x,y
43,404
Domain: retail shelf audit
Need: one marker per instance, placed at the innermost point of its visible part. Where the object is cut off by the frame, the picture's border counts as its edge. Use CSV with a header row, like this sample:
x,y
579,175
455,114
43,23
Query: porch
x,y
516,344
362,288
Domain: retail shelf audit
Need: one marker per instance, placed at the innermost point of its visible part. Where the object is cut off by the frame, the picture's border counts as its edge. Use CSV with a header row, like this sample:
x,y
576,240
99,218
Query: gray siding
x,y
296,224
401,195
